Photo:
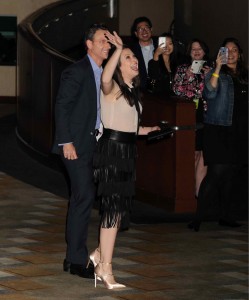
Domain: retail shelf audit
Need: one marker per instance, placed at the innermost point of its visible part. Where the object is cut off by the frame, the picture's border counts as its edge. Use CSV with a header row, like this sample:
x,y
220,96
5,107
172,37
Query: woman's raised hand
x,y
219,61
114,39
159,50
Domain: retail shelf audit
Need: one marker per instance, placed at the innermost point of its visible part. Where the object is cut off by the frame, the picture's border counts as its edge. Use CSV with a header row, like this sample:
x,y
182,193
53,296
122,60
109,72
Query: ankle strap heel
x,y
107,278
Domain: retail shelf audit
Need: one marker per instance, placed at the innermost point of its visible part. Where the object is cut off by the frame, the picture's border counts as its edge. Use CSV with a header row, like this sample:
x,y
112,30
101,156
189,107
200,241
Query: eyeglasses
x,y
142,29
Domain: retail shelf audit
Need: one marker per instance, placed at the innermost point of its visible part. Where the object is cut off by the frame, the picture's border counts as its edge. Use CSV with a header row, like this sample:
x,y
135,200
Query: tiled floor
x,y
163,261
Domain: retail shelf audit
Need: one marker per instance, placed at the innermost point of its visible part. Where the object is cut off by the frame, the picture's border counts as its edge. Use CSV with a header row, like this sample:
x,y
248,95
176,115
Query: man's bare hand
x,y
69,151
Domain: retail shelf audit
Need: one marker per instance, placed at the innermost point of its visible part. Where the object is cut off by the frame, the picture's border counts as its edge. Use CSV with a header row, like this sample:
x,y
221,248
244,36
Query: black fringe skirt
x,y
114,174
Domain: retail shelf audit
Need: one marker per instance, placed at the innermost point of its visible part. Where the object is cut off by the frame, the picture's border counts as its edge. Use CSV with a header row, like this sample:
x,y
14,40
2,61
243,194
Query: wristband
x,y
216,75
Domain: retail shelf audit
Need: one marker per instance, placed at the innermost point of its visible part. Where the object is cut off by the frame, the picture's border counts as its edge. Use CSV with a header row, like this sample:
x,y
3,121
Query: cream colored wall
x,y
8,81
21,9
160,12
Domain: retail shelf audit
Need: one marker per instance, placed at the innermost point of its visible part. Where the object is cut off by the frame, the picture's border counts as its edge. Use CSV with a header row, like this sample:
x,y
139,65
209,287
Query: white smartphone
x,y
162,41
224,55
197,66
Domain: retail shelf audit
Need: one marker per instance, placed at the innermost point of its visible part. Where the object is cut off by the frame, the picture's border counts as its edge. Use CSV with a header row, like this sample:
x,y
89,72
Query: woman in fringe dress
x,y
114,161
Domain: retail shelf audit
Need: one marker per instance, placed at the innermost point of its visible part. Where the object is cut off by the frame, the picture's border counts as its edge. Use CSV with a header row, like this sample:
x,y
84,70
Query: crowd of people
x,y
97,116
221,147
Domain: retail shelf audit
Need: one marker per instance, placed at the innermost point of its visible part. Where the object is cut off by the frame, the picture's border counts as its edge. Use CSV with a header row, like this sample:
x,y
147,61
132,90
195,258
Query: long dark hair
x,y
124,89
241,72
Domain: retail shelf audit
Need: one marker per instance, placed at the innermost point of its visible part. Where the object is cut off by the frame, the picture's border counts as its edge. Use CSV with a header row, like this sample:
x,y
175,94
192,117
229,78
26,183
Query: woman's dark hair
x,y
241,71
204,47
125,91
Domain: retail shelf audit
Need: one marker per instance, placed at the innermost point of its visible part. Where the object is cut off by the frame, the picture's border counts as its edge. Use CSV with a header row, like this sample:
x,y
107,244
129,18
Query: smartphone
x,y
197,66
162,41
224,55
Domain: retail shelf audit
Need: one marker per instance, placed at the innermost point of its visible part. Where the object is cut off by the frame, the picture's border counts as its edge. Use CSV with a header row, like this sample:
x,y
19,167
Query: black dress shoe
x,y
194,225
82,271
66,265
229,223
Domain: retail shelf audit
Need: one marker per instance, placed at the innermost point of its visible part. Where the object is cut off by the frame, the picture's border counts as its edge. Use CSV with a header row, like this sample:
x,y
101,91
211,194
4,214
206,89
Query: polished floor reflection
x,y
160,261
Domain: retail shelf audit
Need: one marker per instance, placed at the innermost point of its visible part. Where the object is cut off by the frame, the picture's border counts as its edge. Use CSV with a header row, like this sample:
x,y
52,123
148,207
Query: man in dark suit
x,y
77,119
143,47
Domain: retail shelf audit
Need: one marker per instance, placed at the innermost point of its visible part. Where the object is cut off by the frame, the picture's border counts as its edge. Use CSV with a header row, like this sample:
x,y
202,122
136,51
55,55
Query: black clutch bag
x,y
160,134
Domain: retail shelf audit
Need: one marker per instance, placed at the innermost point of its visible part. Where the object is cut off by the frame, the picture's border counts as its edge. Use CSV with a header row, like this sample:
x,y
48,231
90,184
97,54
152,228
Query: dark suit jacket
x,y
136,48
76,108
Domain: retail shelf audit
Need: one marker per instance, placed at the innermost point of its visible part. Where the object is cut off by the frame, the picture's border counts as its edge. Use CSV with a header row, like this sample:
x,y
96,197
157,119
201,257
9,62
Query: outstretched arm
x,y
145,130
106,79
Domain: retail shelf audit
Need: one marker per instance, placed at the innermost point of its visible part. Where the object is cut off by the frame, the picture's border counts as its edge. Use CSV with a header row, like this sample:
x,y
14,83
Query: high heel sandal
x,y
93,259
108,279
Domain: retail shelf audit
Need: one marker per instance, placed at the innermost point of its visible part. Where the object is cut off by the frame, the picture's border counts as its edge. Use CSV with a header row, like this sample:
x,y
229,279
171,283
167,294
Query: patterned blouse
x,y
187,84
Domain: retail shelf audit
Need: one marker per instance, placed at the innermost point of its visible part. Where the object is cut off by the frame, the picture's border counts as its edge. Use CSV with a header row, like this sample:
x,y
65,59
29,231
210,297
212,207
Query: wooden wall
x,y
212,21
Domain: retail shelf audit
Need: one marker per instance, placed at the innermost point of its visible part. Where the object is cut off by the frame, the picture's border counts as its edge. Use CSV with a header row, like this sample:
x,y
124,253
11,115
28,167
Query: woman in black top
x,y
161,69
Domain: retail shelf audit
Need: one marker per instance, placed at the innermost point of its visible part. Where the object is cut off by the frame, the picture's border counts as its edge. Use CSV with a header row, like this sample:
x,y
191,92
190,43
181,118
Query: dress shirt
x,y
147,52
97,75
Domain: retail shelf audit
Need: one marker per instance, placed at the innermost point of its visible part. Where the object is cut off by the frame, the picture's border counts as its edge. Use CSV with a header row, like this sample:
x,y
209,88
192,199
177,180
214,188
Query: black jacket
x,y
76,108
136,48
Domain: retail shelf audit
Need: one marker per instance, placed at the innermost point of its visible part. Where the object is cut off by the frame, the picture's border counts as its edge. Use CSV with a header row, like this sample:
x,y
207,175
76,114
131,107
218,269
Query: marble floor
x,y
161,261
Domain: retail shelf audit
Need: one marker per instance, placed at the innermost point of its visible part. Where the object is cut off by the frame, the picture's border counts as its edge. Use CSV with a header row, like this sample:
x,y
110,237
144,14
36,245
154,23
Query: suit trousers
x,y
82,196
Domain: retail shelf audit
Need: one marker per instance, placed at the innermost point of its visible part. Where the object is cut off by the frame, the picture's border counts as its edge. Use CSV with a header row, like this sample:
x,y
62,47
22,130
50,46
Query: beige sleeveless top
x,y
117,114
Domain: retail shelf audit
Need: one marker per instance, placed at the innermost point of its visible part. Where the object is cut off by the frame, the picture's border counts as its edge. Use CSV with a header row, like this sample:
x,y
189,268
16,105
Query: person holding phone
x,y
225,144
162,68
190,86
